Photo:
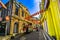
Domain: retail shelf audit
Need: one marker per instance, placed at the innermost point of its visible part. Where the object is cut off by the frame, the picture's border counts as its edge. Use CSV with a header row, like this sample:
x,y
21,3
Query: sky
x,y
32,5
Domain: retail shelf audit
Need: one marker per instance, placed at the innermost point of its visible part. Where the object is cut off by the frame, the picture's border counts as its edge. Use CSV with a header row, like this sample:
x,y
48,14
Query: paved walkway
x,y
37,35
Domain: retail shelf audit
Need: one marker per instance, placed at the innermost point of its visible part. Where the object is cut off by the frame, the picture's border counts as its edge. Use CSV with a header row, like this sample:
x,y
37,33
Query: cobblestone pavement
x,y
37,35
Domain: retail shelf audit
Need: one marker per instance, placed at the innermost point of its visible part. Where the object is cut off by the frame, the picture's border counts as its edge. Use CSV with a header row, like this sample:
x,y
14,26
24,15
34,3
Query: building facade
x,y
50,19
13,18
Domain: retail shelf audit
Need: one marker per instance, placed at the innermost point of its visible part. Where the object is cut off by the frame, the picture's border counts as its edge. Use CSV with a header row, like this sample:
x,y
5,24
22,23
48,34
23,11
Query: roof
x,y
3,5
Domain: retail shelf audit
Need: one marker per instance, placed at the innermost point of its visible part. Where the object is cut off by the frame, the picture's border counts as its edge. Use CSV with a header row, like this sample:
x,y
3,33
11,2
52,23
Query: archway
x,y
16,27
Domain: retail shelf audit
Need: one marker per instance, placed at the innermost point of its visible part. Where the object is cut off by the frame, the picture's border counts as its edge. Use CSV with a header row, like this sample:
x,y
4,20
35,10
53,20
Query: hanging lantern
x,y
7,18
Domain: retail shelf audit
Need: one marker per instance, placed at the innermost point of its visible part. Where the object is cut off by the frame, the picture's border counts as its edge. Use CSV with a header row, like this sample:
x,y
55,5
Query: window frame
x,y
22,13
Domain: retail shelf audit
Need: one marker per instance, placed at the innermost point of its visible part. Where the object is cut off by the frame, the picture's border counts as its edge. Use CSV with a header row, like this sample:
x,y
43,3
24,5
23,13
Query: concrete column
x,y
20,27
12,27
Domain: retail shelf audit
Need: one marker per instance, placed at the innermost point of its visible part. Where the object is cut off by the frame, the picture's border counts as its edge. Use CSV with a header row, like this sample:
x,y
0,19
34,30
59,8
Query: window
x,y
22,13
16,12
17,9
16,27
8,10
3,13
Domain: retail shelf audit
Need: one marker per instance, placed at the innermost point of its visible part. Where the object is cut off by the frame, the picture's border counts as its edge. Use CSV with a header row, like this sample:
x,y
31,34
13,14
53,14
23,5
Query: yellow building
x,y
13,19
50,19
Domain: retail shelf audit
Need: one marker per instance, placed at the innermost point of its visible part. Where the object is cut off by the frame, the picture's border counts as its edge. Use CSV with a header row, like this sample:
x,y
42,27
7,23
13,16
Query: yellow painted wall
x,y
18,18
53,20
55,13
